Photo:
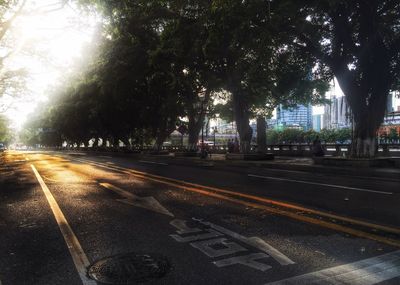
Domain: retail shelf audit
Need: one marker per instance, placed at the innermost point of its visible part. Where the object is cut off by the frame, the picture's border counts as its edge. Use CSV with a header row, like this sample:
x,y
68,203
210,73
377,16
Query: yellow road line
x,y
78,255
263,200
210,191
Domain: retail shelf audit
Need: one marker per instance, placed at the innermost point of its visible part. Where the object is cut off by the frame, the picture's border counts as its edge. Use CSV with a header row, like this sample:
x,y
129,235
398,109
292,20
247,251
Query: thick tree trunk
x,y
261,134
242,118
159,142
161,136
194,128
196,120
364,142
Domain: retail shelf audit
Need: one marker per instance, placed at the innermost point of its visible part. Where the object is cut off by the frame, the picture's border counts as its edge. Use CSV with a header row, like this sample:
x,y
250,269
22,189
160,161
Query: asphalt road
x,y
61,213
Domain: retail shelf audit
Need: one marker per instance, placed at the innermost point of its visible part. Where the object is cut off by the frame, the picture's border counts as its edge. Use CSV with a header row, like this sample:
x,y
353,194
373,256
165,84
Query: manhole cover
x,y
129,268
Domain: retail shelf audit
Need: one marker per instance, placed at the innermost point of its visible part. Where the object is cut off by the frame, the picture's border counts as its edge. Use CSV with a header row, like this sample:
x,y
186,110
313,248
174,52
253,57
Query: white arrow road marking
x,y
321,184
149,203
365,272
78,255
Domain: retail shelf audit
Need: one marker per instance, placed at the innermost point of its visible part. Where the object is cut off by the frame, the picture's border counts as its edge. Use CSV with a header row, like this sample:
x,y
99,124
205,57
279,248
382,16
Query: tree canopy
x,y
161,63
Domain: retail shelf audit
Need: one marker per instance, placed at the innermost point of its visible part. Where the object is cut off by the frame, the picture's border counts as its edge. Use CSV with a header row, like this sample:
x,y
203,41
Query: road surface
x,y
62,215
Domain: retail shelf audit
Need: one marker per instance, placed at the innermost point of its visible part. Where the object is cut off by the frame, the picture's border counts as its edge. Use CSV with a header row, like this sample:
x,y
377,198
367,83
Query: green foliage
x,y
5,132
289,136
356,41
393,135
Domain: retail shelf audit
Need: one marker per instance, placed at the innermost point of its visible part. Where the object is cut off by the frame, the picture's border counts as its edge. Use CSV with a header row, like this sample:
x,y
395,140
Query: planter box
x,y
162,152
360,162
249,156
186,154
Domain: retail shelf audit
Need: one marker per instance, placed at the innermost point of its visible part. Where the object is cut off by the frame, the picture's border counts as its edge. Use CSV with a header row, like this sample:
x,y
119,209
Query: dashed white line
x,y
153,162
321,184
78,255
365,272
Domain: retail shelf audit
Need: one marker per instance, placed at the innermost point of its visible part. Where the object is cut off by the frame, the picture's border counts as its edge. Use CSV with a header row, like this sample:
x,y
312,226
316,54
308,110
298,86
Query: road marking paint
x,y
326,174
78,255
207,243
252,241
210,233
365,272
247,260
226,247
320,184
180,184
153,162
149,203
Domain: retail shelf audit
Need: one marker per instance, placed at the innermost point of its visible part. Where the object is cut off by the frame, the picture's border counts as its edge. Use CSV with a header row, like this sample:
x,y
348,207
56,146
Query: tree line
x,y
163,64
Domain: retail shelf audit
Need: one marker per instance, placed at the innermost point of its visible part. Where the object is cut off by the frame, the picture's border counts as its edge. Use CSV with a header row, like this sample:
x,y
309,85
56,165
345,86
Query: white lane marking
x,y
214,247
365,272
78,255
320,184
153,162
325,174
149,203
252,241
247,260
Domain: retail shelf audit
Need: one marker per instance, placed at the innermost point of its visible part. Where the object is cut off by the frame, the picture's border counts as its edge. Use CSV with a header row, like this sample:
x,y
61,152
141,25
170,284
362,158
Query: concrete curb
x,y
388,173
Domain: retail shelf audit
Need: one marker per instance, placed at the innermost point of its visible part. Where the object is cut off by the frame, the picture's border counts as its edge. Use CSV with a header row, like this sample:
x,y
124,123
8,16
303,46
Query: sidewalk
x,y
305,164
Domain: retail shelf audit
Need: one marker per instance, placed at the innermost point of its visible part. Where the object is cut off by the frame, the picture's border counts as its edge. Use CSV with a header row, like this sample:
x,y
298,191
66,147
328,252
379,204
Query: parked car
x,y
2,147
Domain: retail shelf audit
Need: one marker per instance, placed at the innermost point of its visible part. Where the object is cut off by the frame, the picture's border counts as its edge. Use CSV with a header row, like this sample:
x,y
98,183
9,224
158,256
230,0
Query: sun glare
x,y
46,44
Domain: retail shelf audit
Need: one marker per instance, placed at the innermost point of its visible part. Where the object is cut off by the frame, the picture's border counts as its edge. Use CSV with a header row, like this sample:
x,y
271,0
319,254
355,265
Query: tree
x,y
5,132
247,51
11,80
359,42
393,135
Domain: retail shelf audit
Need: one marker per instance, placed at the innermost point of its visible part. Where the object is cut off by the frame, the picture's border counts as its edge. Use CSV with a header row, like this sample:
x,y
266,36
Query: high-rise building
x,y
295,117
337,113
389,103
317,122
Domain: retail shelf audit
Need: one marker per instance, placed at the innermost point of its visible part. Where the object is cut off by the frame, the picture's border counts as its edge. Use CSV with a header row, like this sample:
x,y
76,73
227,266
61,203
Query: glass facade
x,y
295,117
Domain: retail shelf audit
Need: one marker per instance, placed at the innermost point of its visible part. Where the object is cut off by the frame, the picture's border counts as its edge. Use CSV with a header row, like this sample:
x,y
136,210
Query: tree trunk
x,y
368,114
160,139
261,134
364,142
242,118
196,120
194,128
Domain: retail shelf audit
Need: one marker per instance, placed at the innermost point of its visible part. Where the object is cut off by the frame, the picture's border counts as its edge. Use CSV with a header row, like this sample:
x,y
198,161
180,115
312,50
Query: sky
x,y
47,45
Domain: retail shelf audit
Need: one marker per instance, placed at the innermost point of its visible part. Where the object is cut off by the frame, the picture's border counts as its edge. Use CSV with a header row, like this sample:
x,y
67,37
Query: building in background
x,y
389,104
296,117
337,113
317,122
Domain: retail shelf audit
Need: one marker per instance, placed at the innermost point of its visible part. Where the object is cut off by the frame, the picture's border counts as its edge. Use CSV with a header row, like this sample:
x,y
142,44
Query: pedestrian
x,y
317,149
236,146
230,146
